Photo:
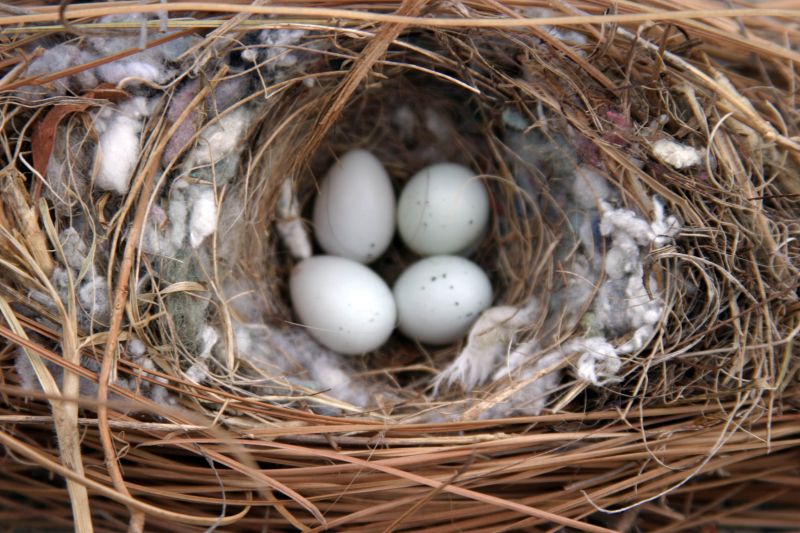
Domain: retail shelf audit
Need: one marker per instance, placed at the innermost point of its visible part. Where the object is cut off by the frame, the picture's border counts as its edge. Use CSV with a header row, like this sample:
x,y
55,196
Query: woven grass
x,y
703,428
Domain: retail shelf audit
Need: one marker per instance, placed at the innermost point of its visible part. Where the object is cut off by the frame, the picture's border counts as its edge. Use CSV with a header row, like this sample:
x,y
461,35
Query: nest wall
x,y
699,425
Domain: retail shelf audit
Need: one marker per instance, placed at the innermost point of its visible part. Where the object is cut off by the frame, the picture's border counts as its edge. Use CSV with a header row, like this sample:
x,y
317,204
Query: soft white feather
x,y
489,339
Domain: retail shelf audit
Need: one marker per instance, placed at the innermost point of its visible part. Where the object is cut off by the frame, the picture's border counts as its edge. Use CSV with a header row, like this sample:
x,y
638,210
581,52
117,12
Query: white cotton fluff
x,y
145,68
203,216
208,338
197,373
331,371
118,150
178,212
623,305
157,393
622,258
490,338
151,64
155,237
244,299
136,348
273,349
57,59
290,224
677,155
220,139
589,188
598,363
523,365
93,297
74,248
664,227
624,223
277,43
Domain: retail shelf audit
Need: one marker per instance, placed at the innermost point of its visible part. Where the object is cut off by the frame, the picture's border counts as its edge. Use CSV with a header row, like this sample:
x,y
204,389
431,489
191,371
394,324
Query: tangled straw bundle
x,y
700,426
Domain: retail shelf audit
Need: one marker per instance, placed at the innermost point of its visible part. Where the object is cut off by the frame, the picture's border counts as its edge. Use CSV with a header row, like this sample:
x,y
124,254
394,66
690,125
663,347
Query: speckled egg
x,y
354,213
443,209
438,298
345,305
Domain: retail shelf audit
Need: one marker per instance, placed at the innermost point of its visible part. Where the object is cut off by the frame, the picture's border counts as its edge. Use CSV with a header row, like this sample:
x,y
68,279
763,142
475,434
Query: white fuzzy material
x,y
664,227
598,363
208,339
220,139
623,305
589,188
56,59
622,258
146,68
197,373
330,371
250,55
271,349
638,340
118,149
629,233
155,237
277,42
74,248
203,217
290,224
523,365
677,155
157,393
490,338
93,297
150,64
136,348
178,211
625,224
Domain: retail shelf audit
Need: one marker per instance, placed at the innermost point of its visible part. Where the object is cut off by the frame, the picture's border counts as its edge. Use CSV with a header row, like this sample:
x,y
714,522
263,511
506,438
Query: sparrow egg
x,y
438,298
354,213
345,305
443,209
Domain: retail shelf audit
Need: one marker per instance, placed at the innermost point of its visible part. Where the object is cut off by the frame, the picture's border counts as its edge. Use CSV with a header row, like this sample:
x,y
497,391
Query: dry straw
x,y
702,427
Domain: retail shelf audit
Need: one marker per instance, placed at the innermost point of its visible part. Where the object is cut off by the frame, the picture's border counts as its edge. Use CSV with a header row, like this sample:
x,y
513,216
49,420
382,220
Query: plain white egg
x,y
438,298
345,305
443,209
354,213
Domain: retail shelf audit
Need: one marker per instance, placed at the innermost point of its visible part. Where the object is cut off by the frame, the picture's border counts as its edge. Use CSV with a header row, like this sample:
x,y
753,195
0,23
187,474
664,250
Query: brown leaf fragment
x,y
45,131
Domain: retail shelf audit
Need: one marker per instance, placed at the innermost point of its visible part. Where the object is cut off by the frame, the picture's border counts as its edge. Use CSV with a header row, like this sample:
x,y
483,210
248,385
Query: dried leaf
x,y
45,131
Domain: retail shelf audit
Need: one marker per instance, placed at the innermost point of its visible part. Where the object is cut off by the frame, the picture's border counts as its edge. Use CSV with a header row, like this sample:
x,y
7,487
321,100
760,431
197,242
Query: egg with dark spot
x,y
441,313
443,209
344,305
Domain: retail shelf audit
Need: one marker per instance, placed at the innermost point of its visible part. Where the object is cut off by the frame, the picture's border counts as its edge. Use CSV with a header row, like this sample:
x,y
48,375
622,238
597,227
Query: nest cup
x,y
229,415
455,124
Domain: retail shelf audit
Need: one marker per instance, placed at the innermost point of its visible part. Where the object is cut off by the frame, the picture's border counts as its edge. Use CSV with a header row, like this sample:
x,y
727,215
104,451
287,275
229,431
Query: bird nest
x,y
638,366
